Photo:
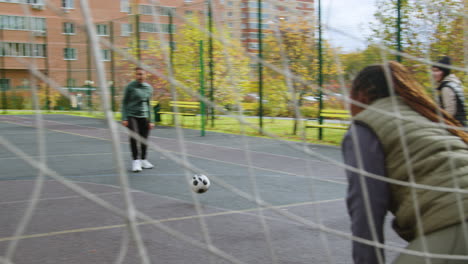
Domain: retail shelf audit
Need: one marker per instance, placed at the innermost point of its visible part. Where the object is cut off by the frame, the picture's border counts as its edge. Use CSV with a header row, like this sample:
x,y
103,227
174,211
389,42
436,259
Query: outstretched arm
x,y
366,153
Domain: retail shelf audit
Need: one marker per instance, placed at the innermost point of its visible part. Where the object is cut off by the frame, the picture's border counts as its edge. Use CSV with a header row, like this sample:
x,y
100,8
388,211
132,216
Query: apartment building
x,y
241,17
52,37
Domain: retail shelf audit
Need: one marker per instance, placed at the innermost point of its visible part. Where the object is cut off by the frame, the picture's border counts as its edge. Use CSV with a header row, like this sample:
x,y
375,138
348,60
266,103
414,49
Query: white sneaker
x,y
136,166
145,164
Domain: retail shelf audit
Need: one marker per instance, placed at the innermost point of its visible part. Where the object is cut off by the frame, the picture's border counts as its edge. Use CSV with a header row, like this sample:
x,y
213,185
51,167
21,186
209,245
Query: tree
x,y
353,62
47,93
295,45
427,31
152,55
231,65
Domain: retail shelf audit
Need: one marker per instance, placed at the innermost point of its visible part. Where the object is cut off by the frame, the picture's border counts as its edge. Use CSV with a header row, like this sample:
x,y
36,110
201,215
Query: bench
x,y
184,108
249,107
339,114
155,107
154,103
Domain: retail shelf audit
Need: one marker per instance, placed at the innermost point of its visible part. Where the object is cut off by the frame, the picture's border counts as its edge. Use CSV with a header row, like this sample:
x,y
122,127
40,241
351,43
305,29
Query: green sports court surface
x,y
303,192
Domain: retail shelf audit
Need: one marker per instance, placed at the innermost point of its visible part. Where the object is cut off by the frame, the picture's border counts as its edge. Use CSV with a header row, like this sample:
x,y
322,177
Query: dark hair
x,y
139,69
446,60
372,81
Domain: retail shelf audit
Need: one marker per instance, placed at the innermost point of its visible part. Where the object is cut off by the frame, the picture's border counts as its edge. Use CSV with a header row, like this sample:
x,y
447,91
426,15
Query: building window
x,y
32,2
68,28
71,82
188,12
24,84
127,51
167,27
102,30
125,6
255,15
166,10
38,24
69,54
230,3
22,23
149,27
106,55
68,4
4,84
146,9
13,49
255,5
161,10
253,35
230,25
255,26
156,28
144,44
22,50
188,1
39,50
126,29
173,44
253,46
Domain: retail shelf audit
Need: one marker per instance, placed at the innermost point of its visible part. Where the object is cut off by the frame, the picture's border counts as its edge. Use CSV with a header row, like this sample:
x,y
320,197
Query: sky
x,y
350,16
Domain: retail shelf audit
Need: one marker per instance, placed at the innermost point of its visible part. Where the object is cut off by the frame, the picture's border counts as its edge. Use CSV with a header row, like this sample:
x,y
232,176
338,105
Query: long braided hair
x,y
373,82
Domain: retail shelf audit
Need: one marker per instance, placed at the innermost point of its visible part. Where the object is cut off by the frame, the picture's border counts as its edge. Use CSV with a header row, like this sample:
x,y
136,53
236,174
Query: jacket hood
x,y
452,78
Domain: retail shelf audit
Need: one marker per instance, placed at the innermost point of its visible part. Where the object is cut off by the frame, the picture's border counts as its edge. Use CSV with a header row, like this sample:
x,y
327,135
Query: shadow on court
x,y
305,194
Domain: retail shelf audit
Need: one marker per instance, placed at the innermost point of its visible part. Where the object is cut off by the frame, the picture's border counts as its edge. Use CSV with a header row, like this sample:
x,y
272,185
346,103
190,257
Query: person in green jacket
x,y
136,115
399,133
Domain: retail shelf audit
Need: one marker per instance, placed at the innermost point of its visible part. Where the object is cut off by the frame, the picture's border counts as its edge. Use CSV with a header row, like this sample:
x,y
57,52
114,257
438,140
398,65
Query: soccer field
x,y
303,220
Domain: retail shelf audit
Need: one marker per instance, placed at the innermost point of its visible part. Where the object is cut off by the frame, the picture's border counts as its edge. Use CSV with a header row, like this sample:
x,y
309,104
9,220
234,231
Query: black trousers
x,y
141,127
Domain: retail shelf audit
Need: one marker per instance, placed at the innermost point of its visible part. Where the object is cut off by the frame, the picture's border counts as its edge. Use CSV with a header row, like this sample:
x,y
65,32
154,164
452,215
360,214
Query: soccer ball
x,y
200,183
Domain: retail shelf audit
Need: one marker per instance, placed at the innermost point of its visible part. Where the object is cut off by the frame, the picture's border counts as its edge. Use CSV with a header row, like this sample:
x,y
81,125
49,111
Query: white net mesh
x,y
288,190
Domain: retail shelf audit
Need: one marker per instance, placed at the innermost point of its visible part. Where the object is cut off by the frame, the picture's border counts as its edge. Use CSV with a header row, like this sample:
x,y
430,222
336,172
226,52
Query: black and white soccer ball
x,y
200,183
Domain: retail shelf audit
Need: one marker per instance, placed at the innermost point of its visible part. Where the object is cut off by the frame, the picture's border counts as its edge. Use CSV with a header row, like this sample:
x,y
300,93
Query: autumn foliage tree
x,y
292,48
428,31
231,64
151,51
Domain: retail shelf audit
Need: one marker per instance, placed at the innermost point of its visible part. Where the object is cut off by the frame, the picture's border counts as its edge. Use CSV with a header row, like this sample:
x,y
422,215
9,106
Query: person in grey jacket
x,y
398,136
136,115
450,90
